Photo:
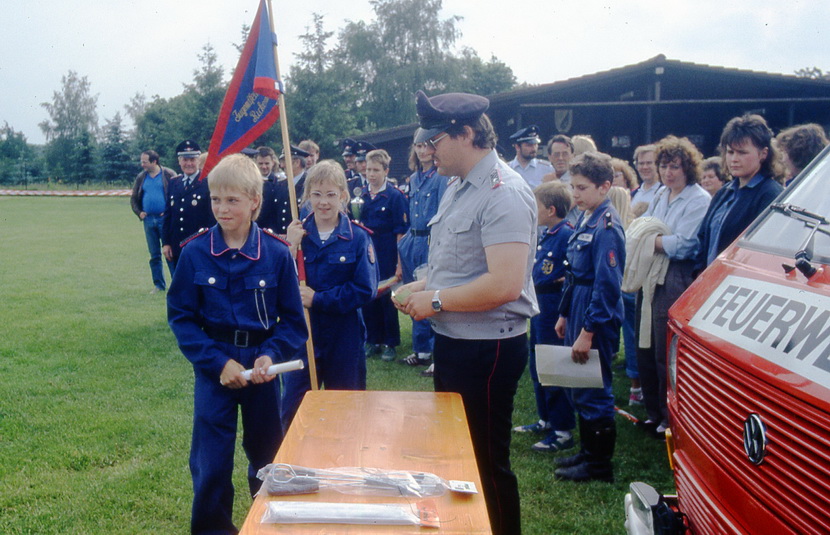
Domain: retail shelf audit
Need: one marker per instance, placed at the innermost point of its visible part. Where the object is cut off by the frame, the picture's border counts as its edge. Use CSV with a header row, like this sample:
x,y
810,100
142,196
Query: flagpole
x,y
292,196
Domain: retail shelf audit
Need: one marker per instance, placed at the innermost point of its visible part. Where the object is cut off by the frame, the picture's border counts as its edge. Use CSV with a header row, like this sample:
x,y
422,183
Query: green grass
x,y
96,400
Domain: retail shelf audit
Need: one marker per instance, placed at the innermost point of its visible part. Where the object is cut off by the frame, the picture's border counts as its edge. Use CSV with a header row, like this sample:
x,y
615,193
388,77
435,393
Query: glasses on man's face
x,y
434,142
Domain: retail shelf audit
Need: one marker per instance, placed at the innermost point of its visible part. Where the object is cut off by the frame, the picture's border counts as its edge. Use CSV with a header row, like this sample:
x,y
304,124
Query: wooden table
x,y
420,431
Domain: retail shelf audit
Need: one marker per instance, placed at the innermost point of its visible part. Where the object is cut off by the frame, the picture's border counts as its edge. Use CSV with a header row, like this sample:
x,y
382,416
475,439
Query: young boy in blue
x,y
386,214
592,313
341,277
556,415
234,304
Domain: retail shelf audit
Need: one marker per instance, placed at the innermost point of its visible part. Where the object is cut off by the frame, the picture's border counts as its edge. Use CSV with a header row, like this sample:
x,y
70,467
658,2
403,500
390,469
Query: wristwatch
x,y
436,301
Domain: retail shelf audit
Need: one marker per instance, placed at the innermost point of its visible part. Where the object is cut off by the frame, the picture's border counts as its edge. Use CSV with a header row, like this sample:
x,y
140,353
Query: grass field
x,y
96,400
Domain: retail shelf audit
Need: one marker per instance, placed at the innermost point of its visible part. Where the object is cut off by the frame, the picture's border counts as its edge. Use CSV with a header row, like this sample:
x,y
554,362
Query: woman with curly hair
x,y
799,145
680,205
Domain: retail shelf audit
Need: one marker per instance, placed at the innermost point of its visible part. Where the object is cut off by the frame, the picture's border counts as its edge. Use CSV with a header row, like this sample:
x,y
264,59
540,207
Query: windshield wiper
x,y
814,222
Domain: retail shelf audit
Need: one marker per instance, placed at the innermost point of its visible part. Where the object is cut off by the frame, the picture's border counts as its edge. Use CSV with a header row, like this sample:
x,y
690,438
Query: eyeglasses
x,y
434,142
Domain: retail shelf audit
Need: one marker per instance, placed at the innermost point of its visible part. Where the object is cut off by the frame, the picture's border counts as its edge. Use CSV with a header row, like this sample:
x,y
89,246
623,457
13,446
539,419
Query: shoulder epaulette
x,y
367,229
274,235
193,236
609,222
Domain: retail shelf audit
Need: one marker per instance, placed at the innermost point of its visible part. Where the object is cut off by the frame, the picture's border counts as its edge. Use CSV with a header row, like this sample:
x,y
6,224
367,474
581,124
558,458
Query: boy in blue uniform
x,y
386,214
341,276
556,415
426,187
234,304
592,313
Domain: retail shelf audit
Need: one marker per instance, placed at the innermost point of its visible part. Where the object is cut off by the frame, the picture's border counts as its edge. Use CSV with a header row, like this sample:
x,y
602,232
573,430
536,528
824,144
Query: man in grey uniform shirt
x,y
478,292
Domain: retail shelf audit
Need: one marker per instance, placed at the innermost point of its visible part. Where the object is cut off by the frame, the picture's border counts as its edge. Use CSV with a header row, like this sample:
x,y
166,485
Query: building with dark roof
x,y
637,104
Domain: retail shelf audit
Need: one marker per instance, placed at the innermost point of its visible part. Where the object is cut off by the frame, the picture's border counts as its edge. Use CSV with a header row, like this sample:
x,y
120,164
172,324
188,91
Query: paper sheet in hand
x,y
556,368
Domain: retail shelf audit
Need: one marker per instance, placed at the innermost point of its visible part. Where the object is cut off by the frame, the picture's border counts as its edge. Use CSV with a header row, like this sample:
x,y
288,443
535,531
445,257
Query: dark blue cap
x,y
527,135
362,148
296,152
348,146
248,151
438,113
188,149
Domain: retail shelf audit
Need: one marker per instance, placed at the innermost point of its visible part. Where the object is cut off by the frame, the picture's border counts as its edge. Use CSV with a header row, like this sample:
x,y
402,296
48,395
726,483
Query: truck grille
x,y
791,486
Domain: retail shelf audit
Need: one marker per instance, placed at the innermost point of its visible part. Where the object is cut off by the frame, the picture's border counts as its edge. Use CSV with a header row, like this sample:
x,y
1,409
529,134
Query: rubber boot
x,y
598,444
579,458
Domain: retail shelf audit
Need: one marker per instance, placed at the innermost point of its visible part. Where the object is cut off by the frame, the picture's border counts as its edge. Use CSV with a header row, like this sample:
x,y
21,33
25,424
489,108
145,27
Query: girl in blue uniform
x,y
341,277
234,304
386,214
592,313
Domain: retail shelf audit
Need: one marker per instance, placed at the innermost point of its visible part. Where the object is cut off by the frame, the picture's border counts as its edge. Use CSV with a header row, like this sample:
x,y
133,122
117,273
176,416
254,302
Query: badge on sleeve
x,y
612,258
547,267
495,179
371,254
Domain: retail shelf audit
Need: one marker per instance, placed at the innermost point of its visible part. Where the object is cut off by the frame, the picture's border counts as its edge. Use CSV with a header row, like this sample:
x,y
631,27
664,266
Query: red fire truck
x,y
749,381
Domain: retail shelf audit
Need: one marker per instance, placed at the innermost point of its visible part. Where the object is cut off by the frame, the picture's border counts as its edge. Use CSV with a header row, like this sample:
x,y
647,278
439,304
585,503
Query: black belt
x,y
418,233
237,337
553,287
582,282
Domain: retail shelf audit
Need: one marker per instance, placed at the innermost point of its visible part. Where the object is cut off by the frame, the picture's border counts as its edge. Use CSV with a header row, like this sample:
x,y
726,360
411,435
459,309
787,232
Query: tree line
x,y
362,81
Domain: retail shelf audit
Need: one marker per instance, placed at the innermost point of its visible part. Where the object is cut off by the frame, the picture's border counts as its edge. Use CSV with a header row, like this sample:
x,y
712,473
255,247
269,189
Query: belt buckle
x,y
236,338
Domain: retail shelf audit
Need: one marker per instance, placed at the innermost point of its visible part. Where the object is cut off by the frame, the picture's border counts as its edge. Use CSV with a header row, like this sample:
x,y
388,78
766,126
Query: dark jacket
x,y
137,197
752,202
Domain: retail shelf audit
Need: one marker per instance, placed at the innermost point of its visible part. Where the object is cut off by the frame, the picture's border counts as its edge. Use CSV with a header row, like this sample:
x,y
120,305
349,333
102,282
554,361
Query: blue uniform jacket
x,y
425,192
549,268
341,271
387,215
188,211
596,253
276,205
254,288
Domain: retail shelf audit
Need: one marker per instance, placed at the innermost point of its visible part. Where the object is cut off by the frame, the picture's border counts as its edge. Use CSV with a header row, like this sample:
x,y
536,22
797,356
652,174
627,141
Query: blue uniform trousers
x,y
593,403
486,373
339,357
552,402
214,437
414,251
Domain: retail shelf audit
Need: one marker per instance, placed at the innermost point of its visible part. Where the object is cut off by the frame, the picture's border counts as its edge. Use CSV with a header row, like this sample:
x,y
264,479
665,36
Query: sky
x,y
151,47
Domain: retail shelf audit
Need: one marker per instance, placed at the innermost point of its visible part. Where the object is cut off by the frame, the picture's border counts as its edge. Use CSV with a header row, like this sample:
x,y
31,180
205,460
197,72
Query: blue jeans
x,y
630,335
152,231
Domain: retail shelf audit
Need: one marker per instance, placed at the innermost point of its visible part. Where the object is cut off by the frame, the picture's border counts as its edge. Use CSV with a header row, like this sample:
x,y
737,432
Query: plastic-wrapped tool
x,y
288,480
422,514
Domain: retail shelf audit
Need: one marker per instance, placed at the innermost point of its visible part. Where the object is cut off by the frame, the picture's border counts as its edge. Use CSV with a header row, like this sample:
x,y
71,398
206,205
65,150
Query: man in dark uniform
x,y
276,205
358,181
348,159
298,164
188,203
478,292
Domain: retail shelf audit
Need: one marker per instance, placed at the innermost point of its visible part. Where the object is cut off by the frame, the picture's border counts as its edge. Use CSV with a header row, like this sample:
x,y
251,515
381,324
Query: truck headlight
x,y
672,363
648,513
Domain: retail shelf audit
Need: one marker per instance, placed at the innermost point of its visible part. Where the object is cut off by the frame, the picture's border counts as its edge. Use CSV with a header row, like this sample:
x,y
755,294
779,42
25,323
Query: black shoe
x,y
587,471
569,461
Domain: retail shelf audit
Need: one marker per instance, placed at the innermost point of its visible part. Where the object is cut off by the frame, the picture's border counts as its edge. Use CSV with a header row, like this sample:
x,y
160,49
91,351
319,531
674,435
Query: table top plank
x,y
418,431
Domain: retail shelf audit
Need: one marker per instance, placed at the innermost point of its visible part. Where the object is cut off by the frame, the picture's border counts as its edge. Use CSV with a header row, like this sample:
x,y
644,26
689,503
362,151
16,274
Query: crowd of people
x,y
578,248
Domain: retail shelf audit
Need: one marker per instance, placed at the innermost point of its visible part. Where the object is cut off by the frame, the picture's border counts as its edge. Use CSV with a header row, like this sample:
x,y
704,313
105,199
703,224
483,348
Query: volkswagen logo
x,y
755,439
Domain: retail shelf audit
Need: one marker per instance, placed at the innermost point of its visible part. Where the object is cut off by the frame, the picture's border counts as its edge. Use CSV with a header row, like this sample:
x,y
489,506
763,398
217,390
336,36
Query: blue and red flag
x,y
250,106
